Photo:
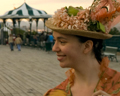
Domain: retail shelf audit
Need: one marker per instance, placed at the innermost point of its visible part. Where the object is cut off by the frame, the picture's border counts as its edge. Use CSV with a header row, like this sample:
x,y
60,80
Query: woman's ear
x,y
88,46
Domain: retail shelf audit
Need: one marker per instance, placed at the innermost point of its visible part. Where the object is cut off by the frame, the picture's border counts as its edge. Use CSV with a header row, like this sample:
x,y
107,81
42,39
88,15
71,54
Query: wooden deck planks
x,y
30,72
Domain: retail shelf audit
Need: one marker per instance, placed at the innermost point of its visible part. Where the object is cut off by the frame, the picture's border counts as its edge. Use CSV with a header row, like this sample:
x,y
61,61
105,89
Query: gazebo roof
x,y
25,11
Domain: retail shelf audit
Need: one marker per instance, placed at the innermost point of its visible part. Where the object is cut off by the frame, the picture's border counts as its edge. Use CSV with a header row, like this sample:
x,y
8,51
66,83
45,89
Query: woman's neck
x,y
87,74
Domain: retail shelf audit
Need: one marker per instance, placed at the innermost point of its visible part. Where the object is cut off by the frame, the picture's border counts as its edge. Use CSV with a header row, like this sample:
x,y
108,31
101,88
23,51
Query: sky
x,y
50,6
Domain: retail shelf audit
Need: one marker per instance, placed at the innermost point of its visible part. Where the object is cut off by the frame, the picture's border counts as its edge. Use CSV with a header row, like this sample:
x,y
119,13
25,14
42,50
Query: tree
x,y
17,31
114,31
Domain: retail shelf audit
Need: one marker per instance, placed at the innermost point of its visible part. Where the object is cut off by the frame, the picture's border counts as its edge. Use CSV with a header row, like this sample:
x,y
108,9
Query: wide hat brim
x,y
90,34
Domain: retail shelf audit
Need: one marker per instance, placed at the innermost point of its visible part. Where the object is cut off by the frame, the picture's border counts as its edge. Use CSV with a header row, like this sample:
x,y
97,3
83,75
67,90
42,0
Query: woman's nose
x,y
55,47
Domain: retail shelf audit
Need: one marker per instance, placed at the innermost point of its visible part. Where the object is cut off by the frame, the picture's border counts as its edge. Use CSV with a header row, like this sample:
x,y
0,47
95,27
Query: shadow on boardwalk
x,y
31,72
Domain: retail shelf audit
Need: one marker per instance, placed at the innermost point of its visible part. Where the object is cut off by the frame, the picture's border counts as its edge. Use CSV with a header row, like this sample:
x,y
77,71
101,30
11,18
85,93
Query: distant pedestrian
x,y
42,39
11,42
14,37
28,38
18,42
35,39
50,38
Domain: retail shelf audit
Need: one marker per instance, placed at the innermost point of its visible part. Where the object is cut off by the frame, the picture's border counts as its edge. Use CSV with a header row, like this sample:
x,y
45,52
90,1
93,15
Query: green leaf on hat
x,y
65,7
98,26
102,27
72,11
80,7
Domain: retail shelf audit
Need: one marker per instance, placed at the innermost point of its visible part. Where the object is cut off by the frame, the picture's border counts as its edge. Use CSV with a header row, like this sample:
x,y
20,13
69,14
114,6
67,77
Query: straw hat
x,y
82,22
90,34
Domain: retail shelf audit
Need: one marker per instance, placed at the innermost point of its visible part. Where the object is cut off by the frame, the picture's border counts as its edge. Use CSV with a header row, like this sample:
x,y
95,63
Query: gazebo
x,y
25,12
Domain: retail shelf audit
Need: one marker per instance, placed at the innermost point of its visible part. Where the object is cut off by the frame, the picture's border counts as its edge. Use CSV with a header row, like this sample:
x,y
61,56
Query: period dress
x,y
109,81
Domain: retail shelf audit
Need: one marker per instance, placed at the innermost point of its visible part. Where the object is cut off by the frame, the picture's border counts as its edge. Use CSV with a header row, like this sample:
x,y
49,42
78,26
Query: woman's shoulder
x,y
115,82
114,73
110,82
58,89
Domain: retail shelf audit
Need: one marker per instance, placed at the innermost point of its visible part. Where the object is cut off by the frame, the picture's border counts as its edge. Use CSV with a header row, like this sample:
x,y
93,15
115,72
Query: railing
x,y
113,42
111,52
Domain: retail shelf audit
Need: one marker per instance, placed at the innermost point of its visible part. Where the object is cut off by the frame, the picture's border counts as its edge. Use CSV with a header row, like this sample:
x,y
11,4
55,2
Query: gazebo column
x,y
44,23
37,24
19,24
4,22
30,21
14,22
2,32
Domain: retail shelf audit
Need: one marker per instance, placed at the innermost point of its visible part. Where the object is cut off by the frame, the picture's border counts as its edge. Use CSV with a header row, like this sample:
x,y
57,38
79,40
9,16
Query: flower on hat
x,y
98,17
66,18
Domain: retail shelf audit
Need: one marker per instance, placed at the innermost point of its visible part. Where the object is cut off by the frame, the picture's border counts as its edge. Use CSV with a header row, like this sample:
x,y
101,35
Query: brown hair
x,y
97,46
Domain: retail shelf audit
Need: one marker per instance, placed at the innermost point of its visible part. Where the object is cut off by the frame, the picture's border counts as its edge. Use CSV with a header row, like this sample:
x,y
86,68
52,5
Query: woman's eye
x,y
62,42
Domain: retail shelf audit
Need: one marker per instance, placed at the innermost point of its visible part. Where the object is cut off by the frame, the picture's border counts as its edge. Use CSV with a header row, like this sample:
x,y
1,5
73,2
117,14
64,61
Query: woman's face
x,y
68,49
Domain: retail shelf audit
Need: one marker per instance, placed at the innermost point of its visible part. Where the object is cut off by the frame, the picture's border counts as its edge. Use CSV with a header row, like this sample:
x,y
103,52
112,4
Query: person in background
x,y
50,40
42,39
18,42
50,37
35,39
11,42
79,35
28,38
6,41
14,37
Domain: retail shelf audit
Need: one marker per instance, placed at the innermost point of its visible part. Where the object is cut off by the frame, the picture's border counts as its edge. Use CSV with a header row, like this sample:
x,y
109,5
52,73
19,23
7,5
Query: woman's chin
x,y
63,65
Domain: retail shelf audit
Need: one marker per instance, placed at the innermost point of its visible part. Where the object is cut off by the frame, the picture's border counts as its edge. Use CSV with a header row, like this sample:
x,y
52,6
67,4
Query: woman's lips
x,y
60,57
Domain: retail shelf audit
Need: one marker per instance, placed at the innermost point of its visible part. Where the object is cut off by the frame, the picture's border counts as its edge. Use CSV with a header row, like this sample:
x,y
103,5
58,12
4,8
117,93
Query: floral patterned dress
x,y
109,81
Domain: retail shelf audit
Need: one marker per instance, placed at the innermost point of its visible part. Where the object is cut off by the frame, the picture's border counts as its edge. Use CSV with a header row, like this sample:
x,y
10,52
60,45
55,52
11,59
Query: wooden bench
x,y
111,52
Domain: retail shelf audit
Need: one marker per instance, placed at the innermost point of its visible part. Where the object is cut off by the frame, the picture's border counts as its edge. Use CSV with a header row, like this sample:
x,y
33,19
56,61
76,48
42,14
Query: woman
x,y
11,42
78,38
18,42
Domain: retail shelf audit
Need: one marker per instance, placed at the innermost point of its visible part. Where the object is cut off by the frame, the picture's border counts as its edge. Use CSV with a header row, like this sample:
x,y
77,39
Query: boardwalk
x,y
31,72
